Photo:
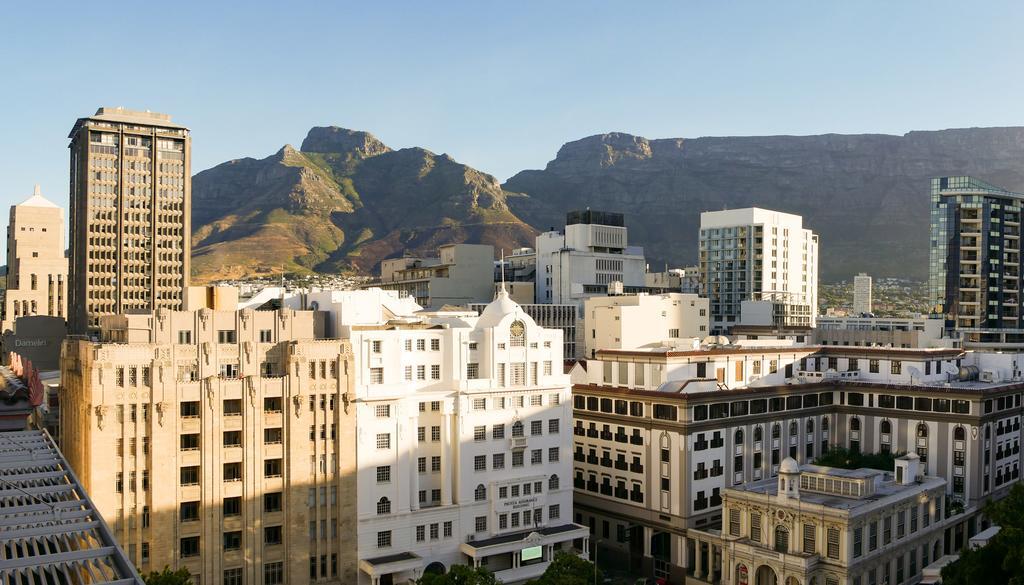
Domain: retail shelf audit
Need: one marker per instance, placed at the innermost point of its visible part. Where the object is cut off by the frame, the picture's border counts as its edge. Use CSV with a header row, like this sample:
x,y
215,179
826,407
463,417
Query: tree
x,y
1002,559
169,577
568,569
847,459
460,575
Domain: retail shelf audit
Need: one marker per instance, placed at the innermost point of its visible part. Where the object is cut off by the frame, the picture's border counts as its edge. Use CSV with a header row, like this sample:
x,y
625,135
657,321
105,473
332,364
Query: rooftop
x,y
849,490
121,115
37,200
50,528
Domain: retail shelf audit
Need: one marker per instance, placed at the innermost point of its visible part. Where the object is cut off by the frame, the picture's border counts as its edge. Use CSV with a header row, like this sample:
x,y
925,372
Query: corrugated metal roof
x,y
50,532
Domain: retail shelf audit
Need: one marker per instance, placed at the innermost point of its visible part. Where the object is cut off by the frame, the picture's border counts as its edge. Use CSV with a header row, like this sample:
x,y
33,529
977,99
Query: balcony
x,y
579,456
606,435
636,440
517,443
606,462
620,438
592,459
621,465
636,468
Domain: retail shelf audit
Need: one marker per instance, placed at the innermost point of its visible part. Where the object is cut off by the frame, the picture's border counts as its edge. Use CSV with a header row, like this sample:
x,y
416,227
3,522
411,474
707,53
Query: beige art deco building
x,y
131,210
37,270
218,441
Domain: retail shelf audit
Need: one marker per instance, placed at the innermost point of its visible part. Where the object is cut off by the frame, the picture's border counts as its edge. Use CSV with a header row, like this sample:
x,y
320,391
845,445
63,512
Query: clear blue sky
x,y
498,85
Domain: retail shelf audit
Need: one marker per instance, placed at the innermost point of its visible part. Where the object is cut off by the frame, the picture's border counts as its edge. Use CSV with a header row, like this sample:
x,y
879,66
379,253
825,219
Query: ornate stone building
x,y
218,441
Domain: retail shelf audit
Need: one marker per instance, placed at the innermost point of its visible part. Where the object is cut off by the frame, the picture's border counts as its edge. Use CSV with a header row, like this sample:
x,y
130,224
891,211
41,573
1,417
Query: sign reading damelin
x,y
521,503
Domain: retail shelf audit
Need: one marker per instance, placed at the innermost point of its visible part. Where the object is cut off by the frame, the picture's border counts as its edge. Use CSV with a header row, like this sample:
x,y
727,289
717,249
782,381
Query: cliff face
x,y
343,201
865,195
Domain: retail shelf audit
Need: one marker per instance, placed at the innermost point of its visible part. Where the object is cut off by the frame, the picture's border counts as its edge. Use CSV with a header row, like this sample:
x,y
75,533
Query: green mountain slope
x,y
344,201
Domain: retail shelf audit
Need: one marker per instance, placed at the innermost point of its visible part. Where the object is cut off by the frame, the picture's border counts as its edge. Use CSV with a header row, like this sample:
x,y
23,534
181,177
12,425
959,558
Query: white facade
x,y
762,255
861,294
583,261
635,321
464,434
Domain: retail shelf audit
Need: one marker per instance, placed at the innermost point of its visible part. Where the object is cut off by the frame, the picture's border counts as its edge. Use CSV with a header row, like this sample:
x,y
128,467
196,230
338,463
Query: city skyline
x,y
501,100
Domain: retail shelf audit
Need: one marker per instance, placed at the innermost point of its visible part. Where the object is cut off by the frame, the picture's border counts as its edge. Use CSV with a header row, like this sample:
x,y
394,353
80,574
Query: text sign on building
x,y
532,553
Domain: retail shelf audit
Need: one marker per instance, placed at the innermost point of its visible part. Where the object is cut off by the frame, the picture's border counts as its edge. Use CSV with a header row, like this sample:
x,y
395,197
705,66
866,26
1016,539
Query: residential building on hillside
x,y
131,210
825,525
760,255
460,274
918,332
223,442
37,270
660,434
974,261
862,294
635,321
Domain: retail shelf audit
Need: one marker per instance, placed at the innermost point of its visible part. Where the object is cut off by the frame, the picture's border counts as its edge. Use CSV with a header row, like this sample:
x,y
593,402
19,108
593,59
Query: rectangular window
x,y
384,537
809,544
472,371
189,547
376,375
273,573
383,440
226,336
383,473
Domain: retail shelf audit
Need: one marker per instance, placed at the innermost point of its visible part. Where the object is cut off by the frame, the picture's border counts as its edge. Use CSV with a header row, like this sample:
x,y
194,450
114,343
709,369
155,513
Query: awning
x,y
516,541
388,564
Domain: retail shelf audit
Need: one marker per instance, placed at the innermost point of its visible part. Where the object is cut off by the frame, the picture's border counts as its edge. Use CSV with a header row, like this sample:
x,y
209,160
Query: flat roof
x,y
119,115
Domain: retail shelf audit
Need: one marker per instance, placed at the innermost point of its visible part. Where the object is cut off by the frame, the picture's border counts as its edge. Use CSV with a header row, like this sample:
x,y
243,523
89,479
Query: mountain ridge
x,y
344,200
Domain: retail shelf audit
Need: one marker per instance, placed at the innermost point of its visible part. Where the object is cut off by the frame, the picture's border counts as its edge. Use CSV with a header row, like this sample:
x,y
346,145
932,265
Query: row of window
x,y
189,475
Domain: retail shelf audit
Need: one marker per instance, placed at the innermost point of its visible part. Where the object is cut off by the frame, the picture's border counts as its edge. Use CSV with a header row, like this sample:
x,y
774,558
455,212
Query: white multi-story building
x,y
861,294
463,439
591,254
634,321
757,254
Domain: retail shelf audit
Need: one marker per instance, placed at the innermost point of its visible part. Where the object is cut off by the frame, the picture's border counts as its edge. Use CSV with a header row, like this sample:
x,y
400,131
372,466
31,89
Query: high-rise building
x,y
222,442
37,270
861,294
758,255
131,213
974,261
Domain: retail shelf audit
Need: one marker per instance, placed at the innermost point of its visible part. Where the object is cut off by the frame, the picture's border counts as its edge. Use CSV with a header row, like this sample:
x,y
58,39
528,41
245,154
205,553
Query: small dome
x,y
501,306
789,465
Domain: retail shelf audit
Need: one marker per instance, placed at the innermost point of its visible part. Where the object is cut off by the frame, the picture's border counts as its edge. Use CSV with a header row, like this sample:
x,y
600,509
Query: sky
x,y
497,85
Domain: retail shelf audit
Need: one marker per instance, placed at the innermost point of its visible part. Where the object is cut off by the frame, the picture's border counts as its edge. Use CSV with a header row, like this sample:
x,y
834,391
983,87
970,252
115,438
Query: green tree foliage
x,y
168,577
568,569
847,459
460,575
1002,559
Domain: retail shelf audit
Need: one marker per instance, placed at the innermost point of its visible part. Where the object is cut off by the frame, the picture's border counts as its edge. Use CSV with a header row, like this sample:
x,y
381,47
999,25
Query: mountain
x,y
866,195
343,201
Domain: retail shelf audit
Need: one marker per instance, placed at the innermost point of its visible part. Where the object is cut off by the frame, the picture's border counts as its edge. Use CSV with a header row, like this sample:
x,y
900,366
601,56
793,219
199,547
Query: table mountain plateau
x,y
344,200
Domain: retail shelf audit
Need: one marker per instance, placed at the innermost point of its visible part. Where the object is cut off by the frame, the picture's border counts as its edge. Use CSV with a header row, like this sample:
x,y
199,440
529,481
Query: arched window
x,y
922,431
517,334
854,424
383,506
480,493
885,428
738,438
781,538
517,429
553,483
959,434
758,434
810,425
776,431
793,429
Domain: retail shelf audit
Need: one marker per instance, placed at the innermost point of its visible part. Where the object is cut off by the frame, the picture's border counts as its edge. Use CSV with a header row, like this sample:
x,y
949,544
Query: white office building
x,y
757,254
642,320
861,294
592,253
464,437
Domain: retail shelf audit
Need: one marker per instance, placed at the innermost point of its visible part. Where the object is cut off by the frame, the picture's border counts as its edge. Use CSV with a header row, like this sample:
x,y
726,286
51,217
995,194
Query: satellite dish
x,y
950,368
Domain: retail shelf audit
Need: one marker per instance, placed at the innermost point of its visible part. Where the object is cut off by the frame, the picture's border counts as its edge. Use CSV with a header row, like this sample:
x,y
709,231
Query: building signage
x,y
29,342
516,504
532,553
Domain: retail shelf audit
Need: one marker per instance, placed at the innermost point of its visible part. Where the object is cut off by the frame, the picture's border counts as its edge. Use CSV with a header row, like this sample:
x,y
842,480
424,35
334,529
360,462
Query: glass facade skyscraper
x,y
974,260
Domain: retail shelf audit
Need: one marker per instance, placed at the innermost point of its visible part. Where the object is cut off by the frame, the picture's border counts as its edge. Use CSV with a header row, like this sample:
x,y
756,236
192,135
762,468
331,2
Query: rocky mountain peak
x,y
332,139
602,150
